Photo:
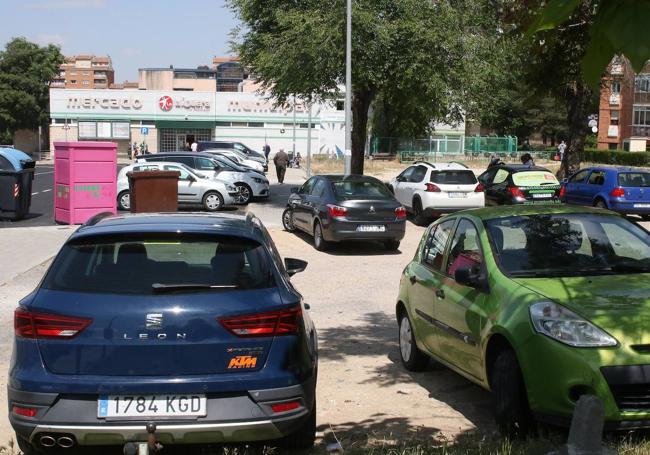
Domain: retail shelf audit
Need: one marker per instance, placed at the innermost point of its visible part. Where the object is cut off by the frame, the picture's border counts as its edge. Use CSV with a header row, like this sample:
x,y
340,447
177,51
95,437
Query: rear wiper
x,y
160,287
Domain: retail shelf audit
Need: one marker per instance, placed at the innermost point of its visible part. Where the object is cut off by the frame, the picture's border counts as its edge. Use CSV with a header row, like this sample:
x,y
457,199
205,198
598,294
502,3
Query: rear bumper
x,y
342,230
628,208
442,203
230,418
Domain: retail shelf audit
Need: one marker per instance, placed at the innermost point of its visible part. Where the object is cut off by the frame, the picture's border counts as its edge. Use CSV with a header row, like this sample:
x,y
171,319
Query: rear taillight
x,y
516,192
400,213
479,188
25,412
617,192
285,407
42,325
562,191
336,211
431,188
274,323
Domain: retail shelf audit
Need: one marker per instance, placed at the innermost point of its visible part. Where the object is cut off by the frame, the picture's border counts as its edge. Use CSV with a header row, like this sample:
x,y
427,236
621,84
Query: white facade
x,y
171,119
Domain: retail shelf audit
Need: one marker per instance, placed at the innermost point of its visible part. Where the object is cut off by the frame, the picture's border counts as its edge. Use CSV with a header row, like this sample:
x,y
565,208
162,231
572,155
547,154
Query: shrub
x,y
617,158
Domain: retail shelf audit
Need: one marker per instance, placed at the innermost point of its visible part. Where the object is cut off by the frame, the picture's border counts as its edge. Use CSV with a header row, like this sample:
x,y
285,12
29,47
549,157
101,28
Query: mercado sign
x,y
89,102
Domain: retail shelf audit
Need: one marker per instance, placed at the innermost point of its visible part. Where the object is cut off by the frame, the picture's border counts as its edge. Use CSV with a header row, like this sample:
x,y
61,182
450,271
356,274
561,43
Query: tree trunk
x,y
579,99
361,100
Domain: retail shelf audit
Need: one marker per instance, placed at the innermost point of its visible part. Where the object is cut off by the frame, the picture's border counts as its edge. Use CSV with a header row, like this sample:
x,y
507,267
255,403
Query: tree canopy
x,y
419,56
26,70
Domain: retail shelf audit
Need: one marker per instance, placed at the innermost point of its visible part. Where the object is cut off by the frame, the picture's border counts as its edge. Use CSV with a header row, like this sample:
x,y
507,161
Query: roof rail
x,y
97,218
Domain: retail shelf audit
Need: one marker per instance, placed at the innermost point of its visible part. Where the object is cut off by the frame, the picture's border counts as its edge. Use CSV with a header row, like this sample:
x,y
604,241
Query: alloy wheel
x,y
405,337
244,195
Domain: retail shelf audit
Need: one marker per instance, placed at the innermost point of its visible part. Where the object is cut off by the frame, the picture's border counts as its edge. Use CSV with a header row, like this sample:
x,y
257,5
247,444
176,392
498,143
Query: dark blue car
x,y
187,321
621,189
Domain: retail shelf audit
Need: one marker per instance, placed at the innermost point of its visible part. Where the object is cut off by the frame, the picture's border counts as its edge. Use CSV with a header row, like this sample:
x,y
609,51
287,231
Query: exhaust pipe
x,y
47,441
65,442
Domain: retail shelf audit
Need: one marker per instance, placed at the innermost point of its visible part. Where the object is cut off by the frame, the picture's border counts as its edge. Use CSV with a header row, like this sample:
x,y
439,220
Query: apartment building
x,y
85,72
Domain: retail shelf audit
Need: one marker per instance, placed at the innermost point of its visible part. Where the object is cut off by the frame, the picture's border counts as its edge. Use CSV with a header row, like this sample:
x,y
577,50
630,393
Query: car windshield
x,y
228,163
563,245
147,263
360,189
634,179
534,178
459,177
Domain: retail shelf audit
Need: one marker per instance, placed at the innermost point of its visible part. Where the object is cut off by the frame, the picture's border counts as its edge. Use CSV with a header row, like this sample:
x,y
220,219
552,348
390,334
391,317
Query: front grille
x,y
630,386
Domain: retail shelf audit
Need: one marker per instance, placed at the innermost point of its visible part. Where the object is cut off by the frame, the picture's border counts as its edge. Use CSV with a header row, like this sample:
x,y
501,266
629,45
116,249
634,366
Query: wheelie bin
x,y
16,176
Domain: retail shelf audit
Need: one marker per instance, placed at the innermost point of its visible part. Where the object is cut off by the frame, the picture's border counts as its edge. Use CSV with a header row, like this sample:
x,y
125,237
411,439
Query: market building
x,y
168,120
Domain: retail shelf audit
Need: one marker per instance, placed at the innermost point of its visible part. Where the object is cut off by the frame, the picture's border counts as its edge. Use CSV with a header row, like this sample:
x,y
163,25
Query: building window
x,y
223,124
239,125
85,82
614,117
73,81
613,146
340,105
255,125
616,87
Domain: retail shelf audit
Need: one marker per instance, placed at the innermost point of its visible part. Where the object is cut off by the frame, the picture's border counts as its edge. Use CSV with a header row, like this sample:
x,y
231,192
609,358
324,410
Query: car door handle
x,y
440,293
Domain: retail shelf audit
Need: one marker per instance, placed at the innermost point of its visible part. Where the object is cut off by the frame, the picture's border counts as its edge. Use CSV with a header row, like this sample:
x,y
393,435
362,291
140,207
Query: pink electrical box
x,y
85,180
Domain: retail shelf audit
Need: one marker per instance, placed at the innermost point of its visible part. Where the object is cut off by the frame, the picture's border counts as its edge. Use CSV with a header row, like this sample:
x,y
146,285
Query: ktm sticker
x,y
242,362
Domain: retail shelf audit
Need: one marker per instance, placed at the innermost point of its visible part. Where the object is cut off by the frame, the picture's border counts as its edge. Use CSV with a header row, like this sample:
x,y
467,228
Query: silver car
x,y
193,188
240,158
249,183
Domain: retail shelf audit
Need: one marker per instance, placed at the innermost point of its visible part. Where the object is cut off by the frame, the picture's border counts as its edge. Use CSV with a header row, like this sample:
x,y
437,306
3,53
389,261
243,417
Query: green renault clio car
x,y
537,304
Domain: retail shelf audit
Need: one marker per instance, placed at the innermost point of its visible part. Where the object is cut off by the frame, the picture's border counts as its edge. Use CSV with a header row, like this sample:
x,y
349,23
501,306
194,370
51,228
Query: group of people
x,y
137,150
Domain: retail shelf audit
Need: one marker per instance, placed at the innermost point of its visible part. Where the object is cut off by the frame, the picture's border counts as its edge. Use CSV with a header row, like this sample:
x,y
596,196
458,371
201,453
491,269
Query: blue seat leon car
x,y
621,189
187,321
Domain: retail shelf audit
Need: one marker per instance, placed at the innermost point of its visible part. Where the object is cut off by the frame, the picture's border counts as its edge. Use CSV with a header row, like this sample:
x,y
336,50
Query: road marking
x,y
44,173
34,194
46,191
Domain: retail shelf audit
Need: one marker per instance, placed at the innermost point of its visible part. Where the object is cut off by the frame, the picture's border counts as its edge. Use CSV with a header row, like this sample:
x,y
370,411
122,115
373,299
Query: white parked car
x,y
239,158
193,189
428,189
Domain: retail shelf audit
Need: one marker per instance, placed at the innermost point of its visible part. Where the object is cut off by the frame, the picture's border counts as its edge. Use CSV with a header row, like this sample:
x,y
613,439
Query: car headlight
x,y
563,325
257,180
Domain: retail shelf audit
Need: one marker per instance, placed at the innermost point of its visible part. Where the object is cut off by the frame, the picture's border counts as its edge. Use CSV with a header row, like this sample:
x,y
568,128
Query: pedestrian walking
x,y
281,160
267,151
561,149
194,147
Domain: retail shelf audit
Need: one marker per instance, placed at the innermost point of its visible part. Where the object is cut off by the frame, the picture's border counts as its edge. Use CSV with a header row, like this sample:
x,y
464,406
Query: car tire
x,y
124,201
599,203
511,410
412,358
245,193
212,201
287,220
392,245
304,437
419,217
319,241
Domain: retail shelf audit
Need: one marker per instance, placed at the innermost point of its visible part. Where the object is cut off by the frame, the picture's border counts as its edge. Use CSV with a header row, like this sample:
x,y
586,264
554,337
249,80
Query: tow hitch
x,y
144,448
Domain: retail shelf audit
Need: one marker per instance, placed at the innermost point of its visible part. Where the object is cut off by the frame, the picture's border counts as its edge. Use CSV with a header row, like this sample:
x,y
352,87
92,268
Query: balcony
x,y
641,131
641,98
615,99
616,69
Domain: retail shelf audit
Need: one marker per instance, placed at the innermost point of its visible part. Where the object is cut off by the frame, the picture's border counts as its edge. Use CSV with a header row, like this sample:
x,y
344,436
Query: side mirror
x,y
191,178
470,276
294,190
217,168
294,266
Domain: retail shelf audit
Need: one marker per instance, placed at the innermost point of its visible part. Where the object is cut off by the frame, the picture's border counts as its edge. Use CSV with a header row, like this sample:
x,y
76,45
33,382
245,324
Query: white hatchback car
x,y
428,189
193,189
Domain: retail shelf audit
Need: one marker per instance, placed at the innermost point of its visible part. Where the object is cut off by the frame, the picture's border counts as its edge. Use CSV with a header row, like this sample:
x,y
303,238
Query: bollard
x,y
586,432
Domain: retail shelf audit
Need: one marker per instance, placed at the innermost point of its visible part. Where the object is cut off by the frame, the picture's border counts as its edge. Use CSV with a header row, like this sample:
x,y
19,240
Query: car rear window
x,y
534,178
453,177
360,189
132,264
633,179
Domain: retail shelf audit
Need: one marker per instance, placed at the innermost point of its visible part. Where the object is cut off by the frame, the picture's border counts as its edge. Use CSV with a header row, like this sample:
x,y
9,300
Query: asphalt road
x,y
41,212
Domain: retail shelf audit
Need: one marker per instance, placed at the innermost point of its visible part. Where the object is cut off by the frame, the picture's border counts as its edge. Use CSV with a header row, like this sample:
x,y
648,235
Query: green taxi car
x,y
539,305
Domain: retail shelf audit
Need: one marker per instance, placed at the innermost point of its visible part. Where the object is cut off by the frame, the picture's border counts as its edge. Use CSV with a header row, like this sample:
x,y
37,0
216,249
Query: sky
x,y
136,33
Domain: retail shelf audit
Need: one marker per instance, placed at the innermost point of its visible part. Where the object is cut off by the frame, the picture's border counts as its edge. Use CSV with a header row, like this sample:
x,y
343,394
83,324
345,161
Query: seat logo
x,y
242,361
154,321
371,209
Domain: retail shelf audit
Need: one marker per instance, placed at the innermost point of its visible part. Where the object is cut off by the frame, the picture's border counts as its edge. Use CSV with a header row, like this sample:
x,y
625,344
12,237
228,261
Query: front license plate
x,y
457,195
641,206
125,406
542,195
371,228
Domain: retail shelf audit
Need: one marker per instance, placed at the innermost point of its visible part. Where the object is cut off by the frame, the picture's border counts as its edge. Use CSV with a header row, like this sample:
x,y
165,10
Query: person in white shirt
x,y
194,146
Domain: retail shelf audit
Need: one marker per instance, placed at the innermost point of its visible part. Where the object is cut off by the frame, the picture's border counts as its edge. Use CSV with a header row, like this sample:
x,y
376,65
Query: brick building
x,y
85,72
624,111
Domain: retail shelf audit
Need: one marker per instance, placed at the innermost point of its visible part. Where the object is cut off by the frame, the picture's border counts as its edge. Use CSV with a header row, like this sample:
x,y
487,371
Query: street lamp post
x,y
348,92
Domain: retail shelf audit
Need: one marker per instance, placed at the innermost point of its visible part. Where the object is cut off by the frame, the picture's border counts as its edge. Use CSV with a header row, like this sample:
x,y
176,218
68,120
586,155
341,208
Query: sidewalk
x,y
23,248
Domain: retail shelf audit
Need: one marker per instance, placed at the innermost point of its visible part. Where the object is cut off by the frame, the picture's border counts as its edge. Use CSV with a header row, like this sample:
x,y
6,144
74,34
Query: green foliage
x,y
618,27
615,157
25,73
